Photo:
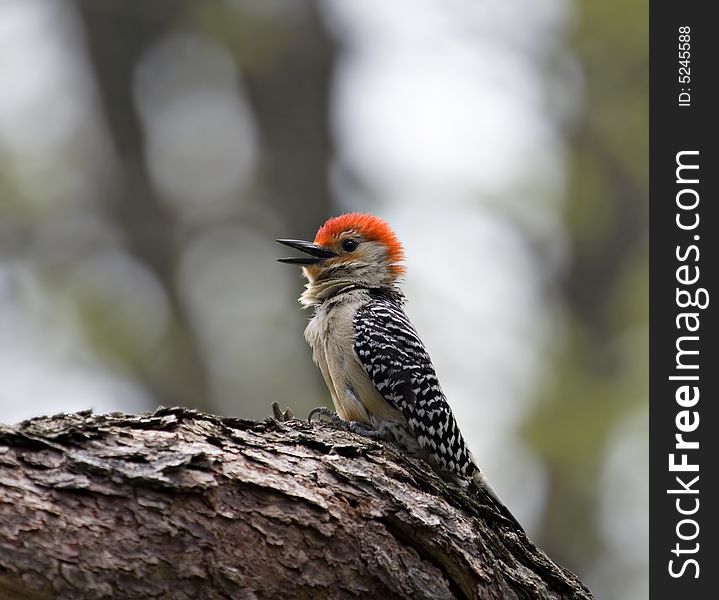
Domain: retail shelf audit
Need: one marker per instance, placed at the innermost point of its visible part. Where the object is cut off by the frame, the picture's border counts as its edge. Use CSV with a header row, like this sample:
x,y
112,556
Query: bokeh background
x,y
150,153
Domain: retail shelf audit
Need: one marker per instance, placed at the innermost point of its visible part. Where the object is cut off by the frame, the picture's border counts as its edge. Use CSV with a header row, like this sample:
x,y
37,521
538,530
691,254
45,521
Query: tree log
x,y
179,504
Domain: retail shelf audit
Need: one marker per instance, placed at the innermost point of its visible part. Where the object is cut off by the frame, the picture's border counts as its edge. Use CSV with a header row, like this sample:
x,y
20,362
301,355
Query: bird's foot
x,y
368,431
282,417
363,429
323,411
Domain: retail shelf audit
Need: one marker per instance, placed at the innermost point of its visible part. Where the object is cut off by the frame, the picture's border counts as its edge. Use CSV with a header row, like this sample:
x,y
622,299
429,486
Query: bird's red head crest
x,y
369,227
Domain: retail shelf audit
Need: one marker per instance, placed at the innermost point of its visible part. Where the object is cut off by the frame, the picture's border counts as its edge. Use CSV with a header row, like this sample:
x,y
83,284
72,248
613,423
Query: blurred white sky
x,y
440,110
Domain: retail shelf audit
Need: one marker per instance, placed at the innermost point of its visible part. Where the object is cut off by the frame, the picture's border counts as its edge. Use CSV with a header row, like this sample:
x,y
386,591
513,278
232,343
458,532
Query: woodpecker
x,y
378,372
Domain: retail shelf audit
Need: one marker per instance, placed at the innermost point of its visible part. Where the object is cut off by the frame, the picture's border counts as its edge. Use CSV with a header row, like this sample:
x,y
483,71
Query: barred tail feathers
x,y
481,483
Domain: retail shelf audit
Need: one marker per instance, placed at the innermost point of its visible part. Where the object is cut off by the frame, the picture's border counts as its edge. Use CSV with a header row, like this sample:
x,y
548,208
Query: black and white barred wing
x,y
396,361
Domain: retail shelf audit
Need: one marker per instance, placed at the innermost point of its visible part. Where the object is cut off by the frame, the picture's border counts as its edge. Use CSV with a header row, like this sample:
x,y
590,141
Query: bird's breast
x,y
330,334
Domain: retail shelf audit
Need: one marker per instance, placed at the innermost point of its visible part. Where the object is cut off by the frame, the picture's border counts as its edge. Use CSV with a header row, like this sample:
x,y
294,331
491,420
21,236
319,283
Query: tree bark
x,y
179,504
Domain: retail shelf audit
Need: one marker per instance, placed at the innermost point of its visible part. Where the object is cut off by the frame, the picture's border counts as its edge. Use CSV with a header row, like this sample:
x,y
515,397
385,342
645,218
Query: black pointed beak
x,y
316,253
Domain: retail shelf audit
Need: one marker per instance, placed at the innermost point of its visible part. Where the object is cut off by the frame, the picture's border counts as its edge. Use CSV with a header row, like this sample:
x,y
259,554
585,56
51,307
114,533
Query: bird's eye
x,y
349,245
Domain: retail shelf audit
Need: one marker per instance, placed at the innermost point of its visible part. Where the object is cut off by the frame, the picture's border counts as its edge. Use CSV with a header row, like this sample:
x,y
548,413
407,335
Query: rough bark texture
x,y
179,504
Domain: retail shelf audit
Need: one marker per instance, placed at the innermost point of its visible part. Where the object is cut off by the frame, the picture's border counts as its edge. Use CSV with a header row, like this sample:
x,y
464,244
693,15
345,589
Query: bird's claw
x,y
323,411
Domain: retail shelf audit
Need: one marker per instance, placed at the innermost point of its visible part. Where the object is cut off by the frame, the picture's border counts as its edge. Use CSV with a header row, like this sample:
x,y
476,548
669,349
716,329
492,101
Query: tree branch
x,y
180,504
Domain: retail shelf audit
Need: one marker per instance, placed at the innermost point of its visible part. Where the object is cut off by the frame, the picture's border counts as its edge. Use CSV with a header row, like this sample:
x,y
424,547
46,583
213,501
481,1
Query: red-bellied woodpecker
x,y
380,377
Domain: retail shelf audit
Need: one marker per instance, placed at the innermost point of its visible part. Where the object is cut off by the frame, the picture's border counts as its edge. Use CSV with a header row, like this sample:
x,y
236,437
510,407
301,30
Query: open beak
x,y
316,253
